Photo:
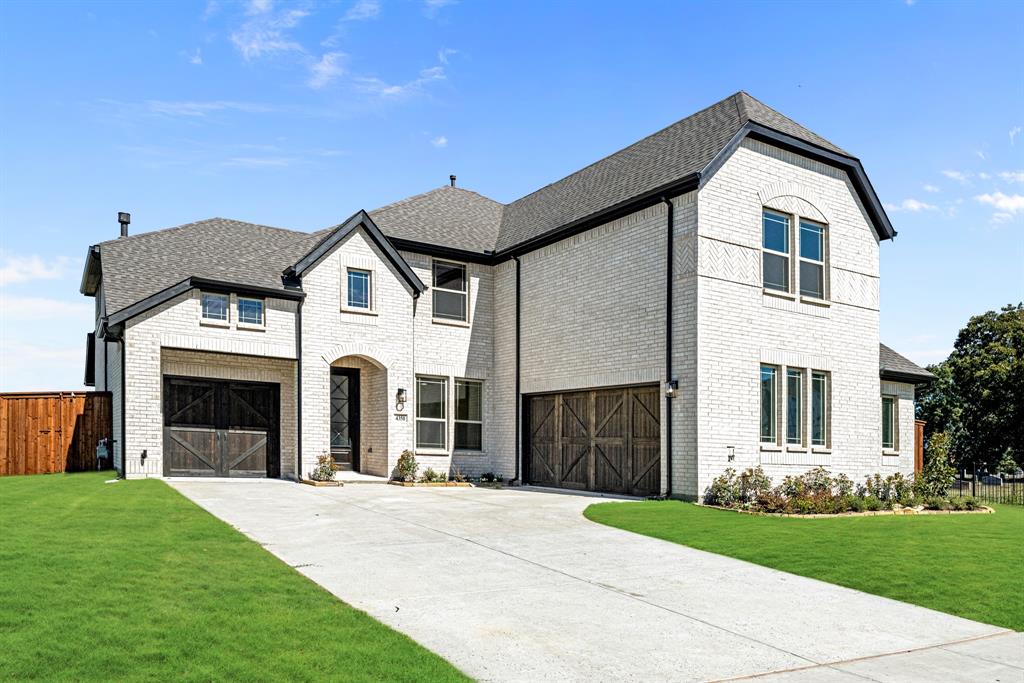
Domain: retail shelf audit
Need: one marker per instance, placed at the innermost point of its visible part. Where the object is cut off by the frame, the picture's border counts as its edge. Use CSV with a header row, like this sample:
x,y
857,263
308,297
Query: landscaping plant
x,y
407,466
324,470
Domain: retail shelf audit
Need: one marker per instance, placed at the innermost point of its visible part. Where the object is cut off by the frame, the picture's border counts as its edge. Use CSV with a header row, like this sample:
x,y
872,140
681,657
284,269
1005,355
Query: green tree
x,y
986,372
936,403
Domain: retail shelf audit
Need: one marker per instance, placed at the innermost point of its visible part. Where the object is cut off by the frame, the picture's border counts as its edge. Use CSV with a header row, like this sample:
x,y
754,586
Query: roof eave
x,y
91,272
907,377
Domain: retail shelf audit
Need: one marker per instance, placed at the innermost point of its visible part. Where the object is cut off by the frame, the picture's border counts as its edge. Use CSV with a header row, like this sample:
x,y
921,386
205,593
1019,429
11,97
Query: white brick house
x,y
705,298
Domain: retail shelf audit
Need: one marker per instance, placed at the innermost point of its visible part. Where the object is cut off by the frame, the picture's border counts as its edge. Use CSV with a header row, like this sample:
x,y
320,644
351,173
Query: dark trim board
x,y
354,413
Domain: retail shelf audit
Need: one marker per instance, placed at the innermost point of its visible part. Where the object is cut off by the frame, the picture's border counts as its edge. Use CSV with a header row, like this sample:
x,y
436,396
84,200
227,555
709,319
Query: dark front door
x,y
345,417
598,440
220,428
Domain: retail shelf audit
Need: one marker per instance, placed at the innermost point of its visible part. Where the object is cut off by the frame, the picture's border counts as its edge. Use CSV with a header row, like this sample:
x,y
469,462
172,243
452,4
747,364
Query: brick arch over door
x,y
363,351
795,198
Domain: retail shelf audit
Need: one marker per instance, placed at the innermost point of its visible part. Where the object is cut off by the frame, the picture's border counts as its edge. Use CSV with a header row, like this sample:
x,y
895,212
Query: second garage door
x,y
220,428
606,440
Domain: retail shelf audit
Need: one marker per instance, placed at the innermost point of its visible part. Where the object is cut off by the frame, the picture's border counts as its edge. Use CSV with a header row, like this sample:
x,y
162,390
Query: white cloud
x,y
981,155
326,70
379,87
17,268
984,176
911,205
929,188
29,366
196,57
265,33
438,4
39,308
1009,204
194,109
1000,217
1014,132
444,53
362,10
958,176
440,142
1012,176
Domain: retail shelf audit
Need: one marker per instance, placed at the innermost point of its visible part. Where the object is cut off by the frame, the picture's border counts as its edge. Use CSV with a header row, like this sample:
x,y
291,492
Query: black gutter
x,y
519,429
485,258
669,254
124,417
906,377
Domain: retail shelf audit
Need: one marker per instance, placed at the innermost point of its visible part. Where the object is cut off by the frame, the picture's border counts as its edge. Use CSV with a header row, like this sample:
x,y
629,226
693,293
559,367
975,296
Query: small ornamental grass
x,y
818,492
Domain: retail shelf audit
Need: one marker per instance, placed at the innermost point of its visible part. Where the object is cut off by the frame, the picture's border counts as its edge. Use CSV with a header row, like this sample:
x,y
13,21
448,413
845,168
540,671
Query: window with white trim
x,y
469,420
769,381
250,311
889,422
214,306
360,294
431,412
775,250
819,408
794,401
450,290
812,259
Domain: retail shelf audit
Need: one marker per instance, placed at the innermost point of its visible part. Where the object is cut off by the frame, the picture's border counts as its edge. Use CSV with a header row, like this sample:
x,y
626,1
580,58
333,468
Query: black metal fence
x,y
990,488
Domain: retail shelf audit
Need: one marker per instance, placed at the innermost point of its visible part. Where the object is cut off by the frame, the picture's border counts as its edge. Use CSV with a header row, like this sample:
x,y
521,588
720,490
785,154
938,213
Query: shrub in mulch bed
x,y
817,492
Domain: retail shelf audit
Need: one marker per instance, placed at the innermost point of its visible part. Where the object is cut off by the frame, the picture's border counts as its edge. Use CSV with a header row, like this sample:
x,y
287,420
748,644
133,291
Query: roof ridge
x,y
406,200
174,228
661,130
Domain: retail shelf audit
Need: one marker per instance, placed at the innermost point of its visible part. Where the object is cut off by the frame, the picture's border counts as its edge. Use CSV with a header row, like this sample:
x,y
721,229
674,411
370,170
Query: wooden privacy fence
x,y
918,446
49,432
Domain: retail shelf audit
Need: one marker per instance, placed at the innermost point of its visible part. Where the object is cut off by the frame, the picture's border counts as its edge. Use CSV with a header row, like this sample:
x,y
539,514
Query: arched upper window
x,y
794,254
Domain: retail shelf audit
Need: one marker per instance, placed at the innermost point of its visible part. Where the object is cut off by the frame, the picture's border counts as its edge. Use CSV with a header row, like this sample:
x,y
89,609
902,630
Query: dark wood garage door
x,y
220,428
606,440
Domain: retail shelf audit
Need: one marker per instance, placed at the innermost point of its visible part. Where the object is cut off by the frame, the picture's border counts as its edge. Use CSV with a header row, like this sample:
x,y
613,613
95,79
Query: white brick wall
x,y
402,341
740,326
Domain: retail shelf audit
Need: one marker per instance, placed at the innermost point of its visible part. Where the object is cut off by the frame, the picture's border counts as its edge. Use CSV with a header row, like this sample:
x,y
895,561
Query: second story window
x,y
775,251
358,289
250,311
450,291
215,307
812,259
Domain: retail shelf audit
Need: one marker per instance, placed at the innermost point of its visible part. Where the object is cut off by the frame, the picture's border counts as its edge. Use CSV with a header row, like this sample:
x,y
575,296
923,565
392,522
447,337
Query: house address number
x,y
400,417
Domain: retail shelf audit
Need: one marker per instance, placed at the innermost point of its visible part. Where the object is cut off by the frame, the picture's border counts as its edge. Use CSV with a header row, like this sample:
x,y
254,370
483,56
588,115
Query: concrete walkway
x,y
515,585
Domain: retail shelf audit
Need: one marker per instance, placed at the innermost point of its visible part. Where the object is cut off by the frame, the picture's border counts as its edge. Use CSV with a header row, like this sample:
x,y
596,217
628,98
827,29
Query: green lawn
x,y
131,581
968,565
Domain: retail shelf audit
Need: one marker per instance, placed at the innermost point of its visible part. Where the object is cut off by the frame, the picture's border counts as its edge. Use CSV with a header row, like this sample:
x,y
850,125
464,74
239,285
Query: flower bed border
x,y
429,483
983,509
311,482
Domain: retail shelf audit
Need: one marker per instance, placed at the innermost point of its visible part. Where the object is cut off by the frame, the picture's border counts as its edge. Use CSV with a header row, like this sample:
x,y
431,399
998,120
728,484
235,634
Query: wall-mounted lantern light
x,y
400,399
671,388
732,453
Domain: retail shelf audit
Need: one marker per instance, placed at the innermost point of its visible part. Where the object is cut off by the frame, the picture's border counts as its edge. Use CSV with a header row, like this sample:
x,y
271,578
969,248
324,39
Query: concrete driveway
x,y
515,585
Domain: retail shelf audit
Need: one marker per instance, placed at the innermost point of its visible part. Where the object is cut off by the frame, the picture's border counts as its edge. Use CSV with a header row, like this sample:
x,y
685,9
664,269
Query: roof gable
x,y
336,235
898,368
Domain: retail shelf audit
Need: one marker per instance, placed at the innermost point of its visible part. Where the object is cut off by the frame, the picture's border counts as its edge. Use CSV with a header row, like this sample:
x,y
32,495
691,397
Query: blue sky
x,y
297,114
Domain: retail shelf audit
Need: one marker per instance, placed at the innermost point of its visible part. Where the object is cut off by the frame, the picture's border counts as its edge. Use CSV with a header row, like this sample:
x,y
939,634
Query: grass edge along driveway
x,y
132,581
966,565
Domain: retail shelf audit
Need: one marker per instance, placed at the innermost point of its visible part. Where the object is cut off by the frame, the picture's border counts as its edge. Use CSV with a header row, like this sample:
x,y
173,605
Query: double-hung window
x,y
889,423
819,408
468,415
794,403
431,412
215,306
359,293
450,291
768,388
812,259
250,311
775,251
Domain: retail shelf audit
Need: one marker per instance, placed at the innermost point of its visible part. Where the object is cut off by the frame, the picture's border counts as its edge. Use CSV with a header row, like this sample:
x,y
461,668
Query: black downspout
x,y
519,429
669,253
298,392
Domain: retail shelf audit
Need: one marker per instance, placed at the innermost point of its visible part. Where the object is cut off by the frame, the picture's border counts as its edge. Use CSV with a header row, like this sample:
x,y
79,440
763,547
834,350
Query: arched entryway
x,y
358,414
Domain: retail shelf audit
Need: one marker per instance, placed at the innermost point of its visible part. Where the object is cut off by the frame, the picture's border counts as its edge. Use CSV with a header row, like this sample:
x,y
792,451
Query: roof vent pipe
x,y
451,178
124,218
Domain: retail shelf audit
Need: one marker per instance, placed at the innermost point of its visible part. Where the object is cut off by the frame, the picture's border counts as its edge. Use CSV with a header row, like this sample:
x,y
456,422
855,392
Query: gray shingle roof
x,y
675,152
255,255
138,266
894,365
447,217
